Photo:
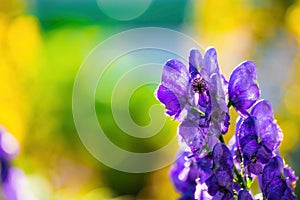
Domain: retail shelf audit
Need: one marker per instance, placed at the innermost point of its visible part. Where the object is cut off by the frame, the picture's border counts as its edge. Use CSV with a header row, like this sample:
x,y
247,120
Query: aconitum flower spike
x,y
243,90
196,97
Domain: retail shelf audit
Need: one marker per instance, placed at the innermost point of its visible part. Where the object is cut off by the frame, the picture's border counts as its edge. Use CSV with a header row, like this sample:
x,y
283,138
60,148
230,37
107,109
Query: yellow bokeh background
x,y
39,62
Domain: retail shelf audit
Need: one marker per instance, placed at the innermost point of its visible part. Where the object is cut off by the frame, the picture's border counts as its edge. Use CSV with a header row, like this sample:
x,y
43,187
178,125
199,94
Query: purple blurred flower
x,y
16,186
243,90
273,181
183,174
258,136
196,98
9,146
220,183
13,180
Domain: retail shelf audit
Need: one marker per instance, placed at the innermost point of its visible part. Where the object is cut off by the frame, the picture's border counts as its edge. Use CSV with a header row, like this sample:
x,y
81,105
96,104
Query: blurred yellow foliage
x,y
24,41
20,46
292,20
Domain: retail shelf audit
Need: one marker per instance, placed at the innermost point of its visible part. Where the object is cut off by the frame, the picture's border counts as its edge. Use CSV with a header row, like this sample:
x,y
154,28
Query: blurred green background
x,y
44,42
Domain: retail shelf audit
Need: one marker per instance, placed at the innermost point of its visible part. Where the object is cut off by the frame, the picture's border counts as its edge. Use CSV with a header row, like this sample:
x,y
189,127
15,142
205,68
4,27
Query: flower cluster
x,y
200,98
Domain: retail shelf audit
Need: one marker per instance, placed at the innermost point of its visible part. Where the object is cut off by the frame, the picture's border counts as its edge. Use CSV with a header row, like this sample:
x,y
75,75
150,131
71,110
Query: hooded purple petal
x,y
210,63
195,62
264,154
173,91
169,99
255,168
217,191
224,178
175,77
268,131
278,190
212,76
243,90
249,151
205,168
212,184
247,131
222,158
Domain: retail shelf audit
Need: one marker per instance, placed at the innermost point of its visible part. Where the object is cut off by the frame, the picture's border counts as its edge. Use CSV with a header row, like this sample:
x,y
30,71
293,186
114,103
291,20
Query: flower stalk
x,y
200,98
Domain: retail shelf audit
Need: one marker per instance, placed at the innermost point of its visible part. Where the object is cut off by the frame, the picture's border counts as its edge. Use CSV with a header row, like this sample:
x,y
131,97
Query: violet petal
x,y
243,90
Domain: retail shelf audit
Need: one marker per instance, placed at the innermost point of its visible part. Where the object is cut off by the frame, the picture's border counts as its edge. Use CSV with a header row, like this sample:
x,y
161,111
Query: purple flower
x,y
183,174
9,146
244,195
196,98
268,131
273,181
243,90
173,90
204,165
220,183
16,186
215,82
205,171
5,165
188,171
258,137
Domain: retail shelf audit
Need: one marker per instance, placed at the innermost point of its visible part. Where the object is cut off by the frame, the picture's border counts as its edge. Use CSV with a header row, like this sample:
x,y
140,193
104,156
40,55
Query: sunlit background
x,y
44,42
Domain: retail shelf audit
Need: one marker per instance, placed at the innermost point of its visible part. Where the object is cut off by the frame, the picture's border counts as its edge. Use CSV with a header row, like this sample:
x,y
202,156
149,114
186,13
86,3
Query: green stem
x,y
229,104
199,111
221,139
240,178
